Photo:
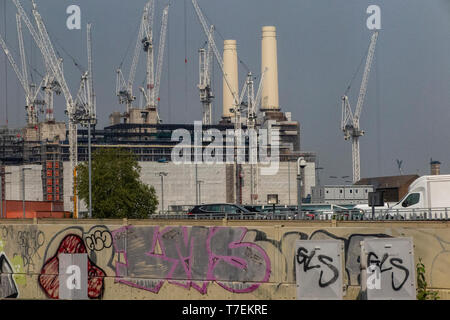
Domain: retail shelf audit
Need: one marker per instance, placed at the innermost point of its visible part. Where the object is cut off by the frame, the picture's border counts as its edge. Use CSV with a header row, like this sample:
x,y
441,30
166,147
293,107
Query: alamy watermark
x,y
73,21
373,277
231,147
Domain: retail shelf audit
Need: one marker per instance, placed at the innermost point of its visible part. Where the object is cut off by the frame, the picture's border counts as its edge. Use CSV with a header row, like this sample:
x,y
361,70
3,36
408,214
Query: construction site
x,y
39,160
236,208
51,148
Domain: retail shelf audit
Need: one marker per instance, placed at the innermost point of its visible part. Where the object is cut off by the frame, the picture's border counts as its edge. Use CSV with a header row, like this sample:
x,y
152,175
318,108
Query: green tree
x,y
117,191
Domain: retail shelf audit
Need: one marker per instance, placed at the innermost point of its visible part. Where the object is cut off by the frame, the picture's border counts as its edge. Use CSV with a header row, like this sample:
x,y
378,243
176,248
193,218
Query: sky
x,y
406,113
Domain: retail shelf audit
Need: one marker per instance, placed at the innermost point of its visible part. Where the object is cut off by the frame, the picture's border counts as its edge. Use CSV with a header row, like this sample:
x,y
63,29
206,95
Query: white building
x,y
341,194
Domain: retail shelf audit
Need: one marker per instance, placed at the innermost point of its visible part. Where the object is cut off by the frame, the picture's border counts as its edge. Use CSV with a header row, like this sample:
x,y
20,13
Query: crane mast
x,y
151,92
147,43
55,64
31,91
205,73
159,62
218,58
204,85
91,91
350,120
30,109
49,84
124,89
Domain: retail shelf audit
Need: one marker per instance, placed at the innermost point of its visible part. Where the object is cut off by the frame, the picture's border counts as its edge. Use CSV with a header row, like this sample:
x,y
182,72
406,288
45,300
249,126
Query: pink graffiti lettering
x,y
190,257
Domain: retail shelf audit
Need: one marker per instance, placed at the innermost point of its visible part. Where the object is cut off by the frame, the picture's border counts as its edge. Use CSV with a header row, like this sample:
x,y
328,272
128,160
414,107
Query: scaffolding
x,y
52,172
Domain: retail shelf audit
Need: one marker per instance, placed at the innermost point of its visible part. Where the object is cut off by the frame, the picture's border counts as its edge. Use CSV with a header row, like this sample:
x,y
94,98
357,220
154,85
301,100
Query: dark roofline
x,y
388,181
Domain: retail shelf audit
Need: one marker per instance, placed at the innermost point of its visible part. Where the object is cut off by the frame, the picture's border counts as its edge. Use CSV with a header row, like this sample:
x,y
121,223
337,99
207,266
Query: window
x,y
231,209
356,191
213,208
351,191
412,199
340,191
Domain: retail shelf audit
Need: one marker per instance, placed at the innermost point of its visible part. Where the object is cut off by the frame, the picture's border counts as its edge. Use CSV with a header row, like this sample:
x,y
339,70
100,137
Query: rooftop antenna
x,y
399,164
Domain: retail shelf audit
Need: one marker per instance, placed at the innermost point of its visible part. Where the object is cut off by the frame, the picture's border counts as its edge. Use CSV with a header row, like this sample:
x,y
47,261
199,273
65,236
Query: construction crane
x,y
350,120
205,64
31,91
237,103
204,83
91,92
54,64
124,89
151,95
49,84
85,112
32,116
236,110
251,106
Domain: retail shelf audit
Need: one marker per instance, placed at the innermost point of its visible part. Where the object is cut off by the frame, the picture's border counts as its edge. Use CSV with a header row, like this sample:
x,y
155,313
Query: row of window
x,y
342,191
351,191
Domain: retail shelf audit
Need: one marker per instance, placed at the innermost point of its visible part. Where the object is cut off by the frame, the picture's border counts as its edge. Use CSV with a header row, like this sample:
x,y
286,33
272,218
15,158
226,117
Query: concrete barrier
x,y
185,259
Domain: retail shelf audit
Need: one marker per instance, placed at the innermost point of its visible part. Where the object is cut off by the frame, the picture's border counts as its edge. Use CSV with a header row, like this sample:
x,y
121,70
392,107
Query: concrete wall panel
x,y
184,259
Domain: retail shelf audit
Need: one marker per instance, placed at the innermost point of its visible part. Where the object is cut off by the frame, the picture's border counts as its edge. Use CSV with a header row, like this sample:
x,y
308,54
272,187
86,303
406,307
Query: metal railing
x,y
436,214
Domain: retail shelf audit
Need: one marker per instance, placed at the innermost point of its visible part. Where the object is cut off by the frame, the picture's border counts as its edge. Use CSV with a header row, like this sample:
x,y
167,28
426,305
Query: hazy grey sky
x,y
406,114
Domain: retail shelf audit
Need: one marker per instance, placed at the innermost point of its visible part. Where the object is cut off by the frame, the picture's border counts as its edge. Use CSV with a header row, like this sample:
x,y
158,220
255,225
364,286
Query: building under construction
x,y
54,148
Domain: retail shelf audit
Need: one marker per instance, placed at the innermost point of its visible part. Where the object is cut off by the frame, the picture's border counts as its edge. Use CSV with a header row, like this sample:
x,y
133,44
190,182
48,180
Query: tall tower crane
x,y
73,111
219,59
237,110
251,106
124,89
31,95
350,120
151,95
31,91
91,91
85,99
204,83
205,73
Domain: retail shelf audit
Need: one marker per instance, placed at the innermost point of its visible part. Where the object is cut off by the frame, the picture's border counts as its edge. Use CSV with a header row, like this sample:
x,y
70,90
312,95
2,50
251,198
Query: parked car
x,y
253,208
219,210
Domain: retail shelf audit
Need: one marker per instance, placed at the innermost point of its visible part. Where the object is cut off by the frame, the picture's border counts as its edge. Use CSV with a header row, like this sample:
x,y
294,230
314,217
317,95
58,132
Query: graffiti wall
x,y
153,261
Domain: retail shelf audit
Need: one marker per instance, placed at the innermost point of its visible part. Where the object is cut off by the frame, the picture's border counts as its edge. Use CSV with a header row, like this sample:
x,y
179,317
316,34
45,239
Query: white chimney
x,y
230,67
269,99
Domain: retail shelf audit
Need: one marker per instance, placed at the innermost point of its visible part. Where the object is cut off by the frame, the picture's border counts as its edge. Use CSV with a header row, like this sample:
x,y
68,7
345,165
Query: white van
x,y
426,195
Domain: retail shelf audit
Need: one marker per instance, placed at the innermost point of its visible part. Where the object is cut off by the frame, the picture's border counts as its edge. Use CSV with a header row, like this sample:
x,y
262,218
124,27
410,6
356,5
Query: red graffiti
x,y
49,277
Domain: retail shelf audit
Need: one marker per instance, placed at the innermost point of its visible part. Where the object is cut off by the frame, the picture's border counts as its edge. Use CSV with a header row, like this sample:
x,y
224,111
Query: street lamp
x,y
301,164
23,189
273,200
2,180
90,169
162,175
84,116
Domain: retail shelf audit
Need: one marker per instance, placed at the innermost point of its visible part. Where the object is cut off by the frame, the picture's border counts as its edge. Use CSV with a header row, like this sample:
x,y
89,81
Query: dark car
x,y
253,208
219,210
